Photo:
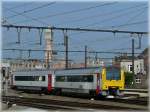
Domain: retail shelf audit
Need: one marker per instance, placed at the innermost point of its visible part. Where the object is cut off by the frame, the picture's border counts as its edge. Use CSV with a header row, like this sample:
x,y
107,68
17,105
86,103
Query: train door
x,y
98,84
49,82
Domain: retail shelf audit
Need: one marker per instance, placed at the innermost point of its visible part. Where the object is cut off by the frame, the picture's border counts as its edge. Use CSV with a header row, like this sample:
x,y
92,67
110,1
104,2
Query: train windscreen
x,y
113,73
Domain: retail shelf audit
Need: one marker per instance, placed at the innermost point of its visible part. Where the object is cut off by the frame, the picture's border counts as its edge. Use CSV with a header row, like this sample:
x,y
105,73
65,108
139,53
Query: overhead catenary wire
x,y
34,19
69,12
135,16
129,24
101,14
110,19
18,6
114,17
75,51
110,27
32,59
30,10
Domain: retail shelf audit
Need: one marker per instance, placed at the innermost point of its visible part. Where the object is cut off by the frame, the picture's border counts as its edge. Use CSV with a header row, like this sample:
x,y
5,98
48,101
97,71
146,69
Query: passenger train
x,y
94,81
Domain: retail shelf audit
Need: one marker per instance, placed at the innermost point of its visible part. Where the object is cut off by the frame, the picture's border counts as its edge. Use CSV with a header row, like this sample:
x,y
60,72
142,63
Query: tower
x,y
48,47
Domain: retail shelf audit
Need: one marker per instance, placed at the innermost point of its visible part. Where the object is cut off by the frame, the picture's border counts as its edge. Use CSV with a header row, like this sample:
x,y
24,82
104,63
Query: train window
x,y
30,78
80,78
88,78
60,78
20,78
113,74
36,78
69,78
75,78
40,78
43,78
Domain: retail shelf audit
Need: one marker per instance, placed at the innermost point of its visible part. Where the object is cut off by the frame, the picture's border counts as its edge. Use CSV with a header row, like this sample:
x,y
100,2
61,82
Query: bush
x,y
128,79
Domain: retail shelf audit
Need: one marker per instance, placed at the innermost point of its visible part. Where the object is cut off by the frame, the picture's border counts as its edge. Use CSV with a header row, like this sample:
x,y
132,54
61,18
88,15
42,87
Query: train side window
x,y
69,78
36,78
43,78
60,78
40,78
84,79
88,78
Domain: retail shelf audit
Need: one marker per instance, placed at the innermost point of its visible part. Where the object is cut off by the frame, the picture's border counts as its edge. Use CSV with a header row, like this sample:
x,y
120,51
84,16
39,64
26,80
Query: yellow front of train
x,y
113,81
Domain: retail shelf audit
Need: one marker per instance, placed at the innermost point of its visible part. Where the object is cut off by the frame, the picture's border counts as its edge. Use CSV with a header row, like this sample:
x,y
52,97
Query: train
x,y
94,81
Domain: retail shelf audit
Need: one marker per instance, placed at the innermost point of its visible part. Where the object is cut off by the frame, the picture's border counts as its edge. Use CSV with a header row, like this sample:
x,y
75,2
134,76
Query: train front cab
x,y
112,86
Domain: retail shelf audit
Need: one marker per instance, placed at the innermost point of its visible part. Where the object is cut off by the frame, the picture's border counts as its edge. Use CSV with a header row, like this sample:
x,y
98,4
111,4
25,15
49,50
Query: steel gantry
x,y
73,29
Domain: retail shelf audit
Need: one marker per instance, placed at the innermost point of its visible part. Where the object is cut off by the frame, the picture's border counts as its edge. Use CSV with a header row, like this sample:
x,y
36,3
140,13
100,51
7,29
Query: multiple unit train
x,y
93,81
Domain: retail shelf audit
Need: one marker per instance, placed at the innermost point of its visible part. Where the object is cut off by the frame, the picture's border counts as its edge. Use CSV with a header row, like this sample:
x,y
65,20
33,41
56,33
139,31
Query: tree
x,y
128,79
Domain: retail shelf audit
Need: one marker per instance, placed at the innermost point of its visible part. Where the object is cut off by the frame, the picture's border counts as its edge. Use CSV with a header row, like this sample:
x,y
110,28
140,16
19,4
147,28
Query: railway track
x,y
63,105
137,100
129,101
36,103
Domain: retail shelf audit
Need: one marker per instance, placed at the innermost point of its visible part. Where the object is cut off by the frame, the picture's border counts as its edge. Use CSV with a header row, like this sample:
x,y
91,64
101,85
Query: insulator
x,y
29,29
114,33
18,32
29,53
65,36
140,37
52,34
7,28
40,35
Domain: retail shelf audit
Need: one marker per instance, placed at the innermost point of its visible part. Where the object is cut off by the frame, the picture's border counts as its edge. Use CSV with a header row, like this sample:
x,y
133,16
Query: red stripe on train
x,y
49,82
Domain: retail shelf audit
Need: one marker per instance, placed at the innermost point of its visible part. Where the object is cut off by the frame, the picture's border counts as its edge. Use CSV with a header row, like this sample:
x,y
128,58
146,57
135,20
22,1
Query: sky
x,y
130,16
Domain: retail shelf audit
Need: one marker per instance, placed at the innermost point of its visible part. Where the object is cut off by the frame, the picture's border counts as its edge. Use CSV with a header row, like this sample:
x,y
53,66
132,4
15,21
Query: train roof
x,y
89,70
66,71
20,70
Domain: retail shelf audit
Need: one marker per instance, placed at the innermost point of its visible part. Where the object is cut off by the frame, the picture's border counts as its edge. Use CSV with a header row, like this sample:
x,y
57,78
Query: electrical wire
x,y
30,10
34,19
129,24
18,6
101,14
69,12
131,19
73,51
114,17
108,27
79,10
135,16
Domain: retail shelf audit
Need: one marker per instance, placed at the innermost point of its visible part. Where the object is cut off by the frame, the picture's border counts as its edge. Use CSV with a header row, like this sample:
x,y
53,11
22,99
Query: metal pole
x,y
66,56
133,60
85,56
96,58
6,81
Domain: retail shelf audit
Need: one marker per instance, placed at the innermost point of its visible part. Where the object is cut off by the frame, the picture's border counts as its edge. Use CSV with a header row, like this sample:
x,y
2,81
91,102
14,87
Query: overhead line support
x,y
75,29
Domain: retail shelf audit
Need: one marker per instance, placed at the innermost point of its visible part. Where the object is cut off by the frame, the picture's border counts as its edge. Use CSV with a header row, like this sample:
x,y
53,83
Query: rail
x,y
137,90
71,105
